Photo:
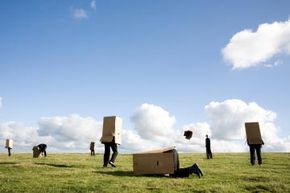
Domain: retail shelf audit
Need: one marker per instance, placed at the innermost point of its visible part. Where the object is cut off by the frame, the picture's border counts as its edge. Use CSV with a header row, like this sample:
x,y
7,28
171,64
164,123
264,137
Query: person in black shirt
x,y
207,146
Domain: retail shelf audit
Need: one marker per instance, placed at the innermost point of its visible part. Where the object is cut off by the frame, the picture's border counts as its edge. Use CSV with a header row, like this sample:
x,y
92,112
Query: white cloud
x,y
227,120
80,13
153,122
93,4
249,48
73,131
153,128
22,135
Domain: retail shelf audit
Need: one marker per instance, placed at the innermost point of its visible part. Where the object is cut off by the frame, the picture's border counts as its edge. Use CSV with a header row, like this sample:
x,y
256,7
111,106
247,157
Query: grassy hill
x,y
83,173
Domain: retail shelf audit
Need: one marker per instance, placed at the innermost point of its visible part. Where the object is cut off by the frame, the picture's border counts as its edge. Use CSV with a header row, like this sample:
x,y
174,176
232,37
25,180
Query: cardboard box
x,y
9,143
36,151
112,127
253,133
187,134
161,161
92,145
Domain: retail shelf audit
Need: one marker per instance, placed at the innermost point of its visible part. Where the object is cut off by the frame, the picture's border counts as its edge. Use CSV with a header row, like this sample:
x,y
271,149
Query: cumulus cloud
x,y
250,48
227,120
73,131
153,127
80,14
153,122
93,4
24,136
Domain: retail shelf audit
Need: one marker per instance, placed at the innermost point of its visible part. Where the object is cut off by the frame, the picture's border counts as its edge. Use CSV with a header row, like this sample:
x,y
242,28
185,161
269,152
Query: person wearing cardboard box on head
x,y
42,148
9,145
111,137
254,140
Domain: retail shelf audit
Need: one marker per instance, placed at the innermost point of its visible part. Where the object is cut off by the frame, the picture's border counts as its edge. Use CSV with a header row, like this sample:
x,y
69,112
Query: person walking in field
x,y
111,138
208,149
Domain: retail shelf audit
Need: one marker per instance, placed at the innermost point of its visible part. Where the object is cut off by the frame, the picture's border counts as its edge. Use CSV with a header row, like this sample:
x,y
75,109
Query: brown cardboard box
x,y
112,127
253,133
9,143
161,161
36,151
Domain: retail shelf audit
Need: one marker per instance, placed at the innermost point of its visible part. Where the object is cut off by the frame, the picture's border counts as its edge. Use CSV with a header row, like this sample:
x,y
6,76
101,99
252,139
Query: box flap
x,y
162,150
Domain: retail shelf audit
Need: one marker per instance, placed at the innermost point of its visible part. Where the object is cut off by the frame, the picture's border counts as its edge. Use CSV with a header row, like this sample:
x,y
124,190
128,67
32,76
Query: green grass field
x,y
83,173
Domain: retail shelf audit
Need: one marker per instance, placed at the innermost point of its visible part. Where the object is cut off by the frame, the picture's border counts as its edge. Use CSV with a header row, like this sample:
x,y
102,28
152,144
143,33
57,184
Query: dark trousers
x,y
114,148
9,151
255,148
208,153
92,152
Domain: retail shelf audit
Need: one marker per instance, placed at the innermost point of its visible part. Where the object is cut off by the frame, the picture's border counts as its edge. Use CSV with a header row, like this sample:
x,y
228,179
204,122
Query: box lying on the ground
x,y
161,161
112,127
253,133
9,143
36,151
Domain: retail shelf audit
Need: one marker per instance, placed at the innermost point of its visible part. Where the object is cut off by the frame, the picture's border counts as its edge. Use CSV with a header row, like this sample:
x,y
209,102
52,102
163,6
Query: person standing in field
x,y
208,149
92,148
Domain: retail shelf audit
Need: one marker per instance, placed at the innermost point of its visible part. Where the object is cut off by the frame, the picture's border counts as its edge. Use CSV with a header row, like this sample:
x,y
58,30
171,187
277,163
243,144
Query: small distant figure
x,y
9,145
92,148
42,148
188,134
207,146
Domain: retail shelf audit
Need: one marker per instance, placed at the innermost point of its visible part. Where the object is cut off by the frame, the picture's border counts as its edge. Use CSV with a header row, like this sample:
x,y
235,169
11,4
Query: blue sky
x,y
97,58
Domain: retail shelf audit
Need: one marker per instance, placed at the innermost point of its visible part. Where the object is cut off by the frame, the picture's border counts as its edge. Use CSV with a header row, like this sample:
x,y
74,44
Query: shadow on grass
x,y
8,163
55,165
115,173
126,173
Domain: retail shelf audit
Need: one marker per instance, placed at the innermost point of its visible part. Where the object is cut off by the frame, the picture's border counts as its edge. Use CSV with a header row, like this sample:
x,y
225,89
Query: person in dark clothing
x,y
92,148
110,145
208,149
42,147
185,172
255,148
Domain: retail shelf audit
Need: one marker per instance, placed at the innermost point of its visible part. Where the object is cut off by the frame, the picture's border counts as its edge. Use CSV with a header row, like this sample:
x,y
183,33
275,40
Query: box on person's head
x,y
160,161
35,151
9,143
92,145
112,127
253,133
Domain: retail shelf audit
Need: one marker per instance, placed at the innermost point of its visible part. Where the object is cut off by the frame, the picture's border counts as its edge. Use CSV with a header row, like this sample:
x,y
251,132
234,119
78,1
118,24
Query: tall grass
x,y
84,173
